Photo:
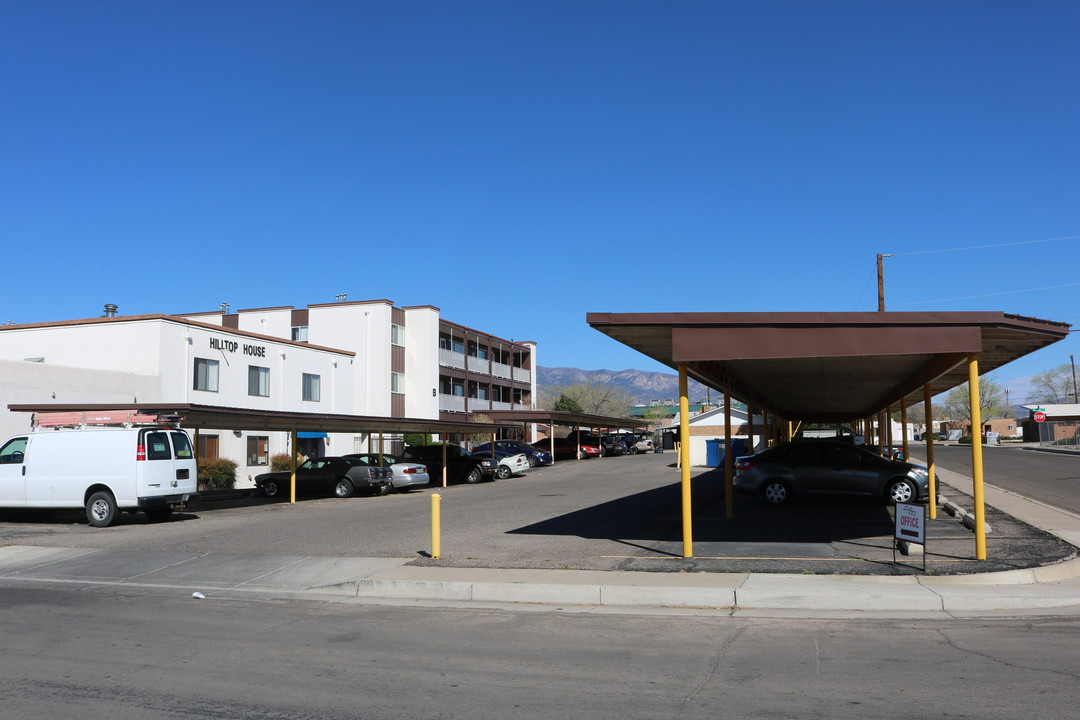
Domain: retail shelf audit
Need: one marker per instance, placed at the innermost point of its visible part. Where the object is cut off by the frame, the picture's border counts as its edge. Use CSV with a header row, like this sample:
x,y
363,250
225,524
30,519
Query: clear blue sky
x,y
519,164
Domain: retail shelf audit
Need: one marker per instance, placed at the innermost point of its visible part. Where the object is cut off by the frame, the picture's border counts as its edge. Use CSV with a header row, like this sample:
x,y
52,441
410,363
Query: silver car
x,y
406,475
828,467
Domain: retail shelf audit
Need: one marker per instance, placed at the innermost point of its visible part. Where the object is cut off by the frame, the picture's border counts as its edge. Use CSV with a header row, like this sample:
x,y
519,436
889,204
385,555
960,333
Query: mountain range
x,y
645,387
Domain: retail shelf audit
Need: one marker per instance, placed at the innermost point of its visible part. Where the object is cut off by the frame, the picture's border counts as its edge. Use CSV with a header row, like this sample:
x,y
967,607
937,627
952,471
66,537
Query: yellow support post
x,y
729,474
903,426
292,466
977,457
888,432
684,455
928,437
436,525
749,429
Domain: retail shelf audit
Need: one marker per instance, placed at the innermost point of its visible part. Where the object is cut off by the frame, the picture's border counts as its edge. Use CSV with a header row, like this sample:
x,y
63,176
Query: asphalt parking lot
x,y
619,513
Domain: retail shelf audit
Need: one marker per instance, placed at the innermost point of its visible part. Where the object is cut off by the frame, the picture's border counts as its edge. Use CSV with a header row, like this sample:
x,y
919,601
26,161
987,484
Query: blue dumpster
x,y
713,451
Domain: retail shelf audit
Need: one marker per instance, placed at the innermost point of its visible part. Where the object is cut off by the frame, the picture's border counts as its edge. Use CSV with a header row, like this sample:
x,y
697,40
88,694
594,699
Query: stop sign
x,y
1039,416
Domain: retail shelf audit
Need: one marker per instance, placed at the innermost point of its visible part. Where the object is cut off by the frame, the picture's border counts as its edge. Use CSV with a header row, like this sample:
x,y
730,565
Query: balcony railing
x,y
500,370
522,375
478,365
449,358
451,403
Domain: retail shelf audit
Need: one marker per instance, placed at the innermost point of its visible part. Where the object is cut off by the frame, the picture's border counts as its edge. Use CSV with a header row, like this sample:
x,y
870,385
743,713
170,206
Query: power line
x,y
972,297
985,247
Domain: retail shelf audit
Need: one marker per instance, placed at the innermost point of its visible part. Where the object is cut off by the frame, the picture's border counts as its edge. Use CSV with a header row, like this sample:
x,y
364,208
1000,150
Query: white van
x,y
103,469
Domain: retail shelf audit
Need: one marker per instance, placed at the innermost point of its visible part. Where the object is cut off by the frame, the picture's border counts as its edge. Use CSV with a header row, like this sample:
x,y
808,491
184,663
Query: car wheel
x,y
270,488
503,472
344,488
899,491
582,455
776,492
160,514
533,462
633,450
473,476
101,509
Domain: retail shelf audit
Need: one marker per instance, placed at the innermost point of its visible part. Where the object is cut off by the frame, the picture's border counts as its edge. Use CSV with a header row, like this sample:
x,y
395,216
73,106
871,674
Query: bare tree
x,y
592,398
992,401
1053,387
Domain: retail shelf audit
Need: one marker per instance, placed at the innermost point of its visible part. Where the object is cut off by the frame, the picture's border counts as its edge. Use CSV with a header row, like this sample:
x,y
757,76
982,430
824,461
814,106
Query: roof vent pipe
x,y
224,308
110,310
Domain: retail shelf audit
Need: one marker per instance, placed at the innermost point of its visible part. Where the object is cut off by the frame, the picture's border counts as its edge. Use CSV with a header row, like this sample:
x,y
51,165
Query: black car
x,y
614,445
337,476
461,465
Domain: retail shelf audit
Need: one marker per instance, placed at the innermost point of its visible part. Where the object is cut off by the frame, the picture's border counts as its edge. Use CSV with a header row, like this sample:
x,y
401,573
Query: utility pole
x,y
881,282
1076,398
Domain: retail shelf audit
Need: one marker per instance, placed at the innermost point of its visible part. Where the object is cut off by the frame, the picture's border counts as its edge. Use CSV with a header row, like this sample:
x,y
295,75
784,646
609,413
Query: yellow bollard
x,y
436,526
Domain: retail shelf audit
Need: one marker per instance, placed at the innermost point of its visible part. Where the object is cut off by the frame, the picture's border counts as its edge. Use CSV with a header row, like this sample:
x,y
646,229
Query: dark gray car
x,y
337,476
828,467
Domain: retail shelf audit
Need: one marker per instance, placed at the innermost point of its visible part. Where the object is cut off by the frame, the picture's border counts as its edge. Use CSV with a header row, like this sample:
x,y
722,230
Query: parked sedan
x,y
460,463
510,463
337,476
828,467
406,475
535,455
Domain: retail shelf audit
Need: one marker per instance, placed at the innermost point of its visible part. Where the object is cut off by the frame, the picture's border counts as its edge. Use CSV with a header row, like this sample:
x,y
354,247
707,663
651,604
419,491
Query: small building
x,y
1061,424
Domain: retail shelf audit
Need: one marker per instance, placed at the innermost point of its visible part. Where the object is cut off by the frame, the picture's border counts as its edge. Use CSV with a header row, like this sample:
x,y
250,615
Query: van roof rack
x,y
112,418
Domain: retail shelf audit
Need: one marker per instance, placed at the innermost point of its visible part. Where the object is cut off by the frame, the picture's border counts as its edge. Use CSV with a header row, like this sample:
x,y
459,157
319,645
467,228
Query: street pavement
x,y
1030,588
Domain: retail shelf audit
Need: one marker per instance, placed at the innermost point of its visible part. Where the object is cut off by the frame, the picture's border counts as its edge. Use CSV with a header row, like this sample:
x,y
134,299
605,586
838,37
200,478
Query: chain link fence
x,y
1060,434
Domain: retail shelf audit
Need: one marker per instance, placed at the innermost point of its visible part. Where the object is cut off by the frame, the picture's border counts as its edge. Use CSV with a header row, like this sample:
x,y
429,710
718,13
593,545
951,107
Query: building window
x,y
208,447
206,375
397,382
299,333
257,446
397,335
258,381
311,387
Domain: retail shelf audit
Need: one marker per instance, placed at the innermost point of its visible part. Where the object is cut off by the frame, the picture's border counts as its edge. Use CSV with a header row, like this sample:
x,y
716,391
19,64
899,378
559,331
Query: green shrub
x,y
217,474
280,462
415,439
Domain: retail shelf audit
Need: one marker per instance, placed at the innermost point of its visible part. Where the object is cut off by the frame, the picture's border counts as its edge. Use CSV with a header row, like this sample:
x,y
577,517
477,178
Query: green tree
x,y
992,401
566,403
1053,387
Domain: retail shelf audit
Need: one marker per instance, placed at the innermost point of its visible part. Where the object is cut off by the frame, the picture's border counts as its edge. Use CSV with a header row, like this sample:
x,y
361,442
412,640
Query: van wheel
x,y
344,488
160,514
101,509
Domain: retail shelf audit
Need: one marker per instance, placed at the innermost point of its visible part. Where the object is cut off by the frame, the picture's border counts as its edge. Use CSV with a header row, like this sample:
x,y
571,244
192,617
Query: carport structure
x,y
571,419
830,366
213,417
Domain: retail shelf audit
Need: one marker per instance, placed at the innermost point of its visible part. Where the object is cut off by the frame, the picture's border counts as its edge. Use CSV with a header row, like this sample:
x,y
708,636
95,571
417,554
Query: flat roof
x,y
557,417
198,417
830,366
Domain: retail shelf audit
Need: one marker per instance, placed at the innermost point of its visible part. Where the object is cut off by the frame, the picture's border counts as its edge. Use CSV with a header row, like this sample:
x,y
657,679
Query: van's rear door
x,y
160,470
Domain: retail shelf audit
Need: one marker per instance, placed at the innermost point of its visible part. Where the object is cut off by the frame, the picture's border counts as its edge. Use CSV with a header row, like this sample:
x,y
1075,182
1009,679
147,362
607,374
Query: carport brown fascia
x,y
204,417
830,366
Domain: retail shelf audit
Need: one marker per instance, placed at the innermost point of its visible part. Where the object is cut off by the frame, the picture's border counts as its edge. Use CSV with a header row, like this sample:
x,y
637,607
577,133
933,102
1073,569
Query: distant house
x,y
709,425
1062,423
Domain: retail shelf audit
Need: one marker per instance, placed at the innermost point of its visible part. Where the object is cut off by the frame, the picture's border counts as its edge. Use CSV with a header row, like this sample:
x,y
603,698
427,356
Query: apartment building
x,y
365,358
